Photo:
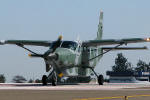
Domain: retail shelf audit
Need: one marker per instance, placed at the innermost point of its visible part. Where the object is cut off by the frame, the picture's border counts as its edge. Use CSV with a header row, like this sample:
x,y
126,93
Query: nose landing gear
x,y
52,77
44,80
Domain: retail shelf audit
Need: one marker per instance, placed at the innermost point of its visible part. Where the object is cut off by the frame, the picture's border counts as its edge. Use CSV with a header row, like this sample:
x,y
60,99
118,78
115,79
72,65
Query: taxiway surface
x,y
72,92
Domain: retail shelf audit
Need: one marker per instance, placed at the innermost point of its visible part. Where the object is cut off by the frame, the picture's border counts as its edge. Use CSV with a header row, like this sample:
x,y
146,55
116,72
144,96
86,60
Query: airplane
x,y
75,59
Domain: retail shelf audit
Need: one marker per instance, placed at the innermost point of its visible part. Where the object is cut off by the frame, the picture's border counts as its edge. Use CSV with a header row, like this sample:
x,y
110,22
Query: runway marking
x,y
117,97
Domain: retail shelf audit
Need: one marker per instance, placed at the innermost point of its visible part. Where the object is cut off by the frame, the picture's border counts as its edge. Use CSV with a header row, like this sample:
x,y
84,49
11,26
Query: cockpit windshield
x,y
69,44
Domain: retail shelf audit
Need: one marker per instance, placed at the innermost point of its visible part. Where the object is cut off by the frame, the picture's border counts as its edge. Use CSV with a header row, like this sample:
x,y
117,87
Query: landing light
x,y
147,39
29,55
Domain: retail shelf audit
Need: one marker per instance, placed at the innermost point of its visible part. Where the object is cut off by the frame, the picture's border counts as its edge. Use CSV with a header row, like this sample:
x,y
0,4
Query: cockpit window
x,y
69,44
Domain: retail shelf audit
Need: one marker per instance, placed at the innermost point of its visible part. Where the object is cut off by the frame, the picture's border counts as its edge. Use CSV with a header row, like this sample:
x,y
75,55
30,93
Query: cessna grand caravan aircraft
x,y
74,58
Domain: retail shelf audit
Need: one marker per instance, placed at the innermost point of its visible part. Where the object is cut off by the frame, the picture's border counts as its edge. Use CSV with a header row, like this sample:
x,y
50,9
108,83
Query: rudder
x,y
100,27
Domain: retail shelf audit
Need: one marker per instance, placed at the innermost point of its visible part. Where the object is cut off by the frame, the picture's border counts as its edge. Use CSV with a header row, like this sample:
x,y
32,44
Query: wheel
x,y
54,79
44,80
100,79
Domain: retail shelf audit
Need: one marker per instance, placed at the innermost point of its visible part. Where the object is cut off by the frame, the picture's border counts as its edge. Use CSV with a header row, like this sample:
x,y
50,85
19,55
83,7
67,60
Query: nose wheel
x,y
44,80
52,77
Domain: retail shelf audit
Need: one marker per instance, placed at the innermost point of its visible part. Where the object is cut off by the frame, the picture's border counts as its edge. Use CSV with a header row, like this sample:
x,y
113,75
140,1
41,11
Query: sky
x,y
47,19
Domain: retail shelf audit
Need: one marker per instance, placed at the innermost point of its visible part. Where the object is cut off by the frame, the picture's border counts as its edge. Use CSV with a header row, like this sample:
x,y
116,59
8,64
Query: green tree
x,y
19,79
121,64
2,78
142,66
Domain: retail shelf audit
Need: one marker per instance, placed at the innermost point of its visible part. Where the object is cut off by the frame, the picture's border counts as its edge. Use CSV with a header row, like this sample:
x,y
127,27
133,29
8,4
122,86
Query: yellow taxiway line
x,y
117,97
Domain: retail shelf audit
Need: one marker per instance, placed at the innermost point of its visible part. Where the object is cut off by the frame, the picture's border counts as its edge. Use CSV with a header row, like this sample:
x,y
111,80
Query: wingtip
x,y
147,39
145,47
2,42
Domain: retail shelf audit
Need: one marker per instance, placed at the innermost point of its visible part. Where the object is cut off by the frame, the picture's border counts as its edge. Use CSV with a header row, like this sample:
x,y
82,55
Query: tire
x,y
54,79
100,79
44,80
54,82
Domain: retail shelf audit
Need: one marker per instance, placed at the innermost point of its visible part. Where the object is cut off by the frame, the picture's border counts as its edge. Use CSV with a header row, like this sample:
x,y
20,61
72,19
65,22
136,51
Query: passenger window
x,y
79,49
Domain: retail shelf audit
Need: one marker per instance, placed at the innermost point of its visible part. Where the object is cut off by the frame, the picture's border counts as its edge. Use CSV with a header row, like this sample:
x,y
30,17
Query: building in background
x,y
128,77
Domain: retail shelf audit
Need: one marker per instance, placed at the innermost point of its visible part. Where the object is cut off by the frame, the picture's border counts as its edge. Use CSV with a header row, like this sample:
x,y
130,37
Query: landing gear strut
x,y
100,78
53,78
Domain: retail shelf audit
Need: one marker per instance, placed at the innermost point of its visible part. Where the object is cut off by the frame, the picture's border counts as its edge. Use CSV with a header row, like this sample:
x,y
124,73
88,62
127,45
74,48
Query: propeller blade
x,y
47,52
35,55
54,46
60,38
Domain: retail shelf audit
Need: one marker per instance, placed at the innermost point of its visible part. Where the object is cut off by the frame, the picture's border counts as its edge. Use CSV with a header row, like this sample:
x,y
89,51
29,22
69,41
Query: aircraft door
x,y
85,56
78,55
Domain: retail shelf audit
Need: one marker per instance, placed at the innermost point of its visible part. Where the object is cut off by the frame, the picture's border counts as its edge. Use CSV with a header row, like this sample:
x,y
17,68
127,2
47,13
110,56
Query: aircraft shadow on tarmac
x,y
40,84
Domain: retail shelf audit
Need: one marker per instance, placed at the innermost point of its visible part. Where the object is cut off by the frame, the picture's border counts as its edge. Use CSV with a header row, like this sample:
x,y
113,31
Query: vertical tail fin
x,y
100,27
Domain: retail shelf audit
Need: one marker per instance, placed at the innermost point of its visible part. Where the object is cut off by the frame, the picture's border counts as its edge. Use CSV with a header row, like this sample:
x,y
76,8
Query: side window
x,y
75,46
88,49
84,49
79,49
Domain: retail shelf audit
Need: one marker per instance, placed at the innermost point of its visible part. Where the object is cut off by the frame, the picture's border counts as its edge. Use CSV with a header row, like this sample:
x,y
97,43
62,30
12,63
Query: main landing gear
x,y
52,77
100,78
44,80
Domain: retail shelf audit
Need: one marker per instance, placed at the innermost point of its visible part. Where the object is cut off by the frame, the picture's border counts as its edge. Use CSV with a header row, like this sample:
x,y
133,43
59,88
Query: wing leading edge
x,y
114,41
125,48
27,42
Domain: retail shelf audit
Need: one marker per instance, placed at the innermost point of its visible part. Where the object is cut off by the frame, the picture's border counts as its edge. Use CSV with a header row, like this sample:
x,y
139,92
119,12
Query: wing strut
x,y
107,51
22,46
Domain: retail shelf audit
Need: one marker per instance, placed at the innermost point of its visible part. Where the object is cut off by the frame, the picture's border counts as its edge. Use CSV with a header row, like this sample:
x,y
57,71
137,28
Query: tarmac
x,y
26,91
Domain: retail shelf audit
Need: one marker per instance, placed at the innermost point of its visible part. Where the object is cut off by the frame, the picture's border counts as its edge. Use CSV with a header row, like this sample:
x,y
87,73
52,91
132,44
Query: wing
x,y
114,41
124,48
27,42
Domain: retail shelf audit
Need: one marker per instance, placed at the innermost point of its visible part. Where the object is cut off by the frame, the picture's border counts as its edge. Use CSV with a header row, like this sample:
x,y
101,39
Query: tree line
x,y
19,79
123,65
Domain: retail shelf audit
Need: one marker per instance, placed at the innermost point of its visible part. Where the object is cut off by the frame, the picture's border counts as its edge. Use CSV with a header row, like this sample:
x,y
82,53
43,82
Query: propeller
x,y
49,54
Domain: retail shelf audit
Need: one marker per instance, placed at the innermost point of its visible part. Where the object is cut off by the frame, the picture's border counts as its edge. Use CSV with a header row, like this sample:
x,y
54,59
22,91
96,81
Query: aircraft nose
x,y
53,56
62,54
